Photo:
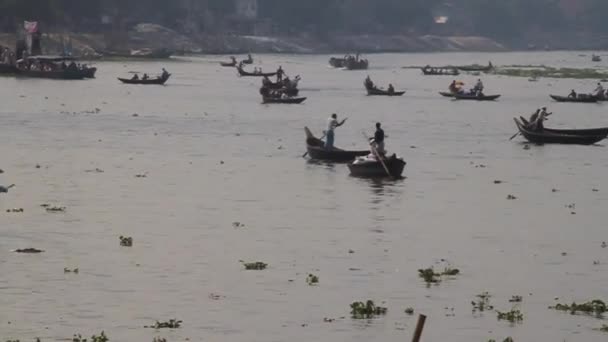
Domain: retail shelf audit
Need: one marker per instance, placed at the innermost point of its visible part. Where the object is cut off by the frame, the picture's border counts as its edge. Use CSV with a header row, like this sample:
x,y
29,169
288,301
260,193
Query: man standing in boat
x,y
332,124
378,140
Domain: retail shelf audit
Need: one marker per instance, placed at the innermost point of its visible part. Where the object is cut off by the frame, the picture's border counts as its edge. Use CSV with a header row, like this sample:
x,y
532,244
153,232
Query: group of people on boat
x,y
164,74
456,88
599,92
439,71
377,142
7,57
369,84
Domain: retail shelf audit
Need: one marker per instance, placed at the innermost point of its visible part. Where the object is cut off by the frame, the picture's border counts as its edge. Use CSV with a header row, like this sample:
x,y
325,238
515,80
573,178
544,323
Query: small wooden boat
x,y
382,92
596,58
440,72
316,150
283,100
581,98
476,97
353,64
228,64
562,136
266,91
159,80
252,74
372,168
337,62
66,74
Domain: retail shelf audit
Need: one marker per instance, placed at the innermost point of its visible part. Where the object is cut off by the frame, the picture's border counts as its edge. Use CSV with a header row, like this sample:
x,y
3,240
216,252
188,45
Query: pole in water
x,y
419,327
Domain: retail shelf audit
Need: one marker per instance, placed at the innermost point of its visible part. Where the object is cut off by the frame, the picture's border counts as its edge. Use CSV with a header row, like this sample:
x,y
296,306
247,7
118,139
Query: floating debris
x,y
237,224
171,324
67,270
15,210
508,339
141,175
258,265
101,338
554,190
430,276
482,303
159,339
596,306
329,320
515,299
526,147
595,190
604,328
312,280
409,311
511,197
29,250
50,209
126,241
368,309
513,316
604,244
96,170
497,182
350,251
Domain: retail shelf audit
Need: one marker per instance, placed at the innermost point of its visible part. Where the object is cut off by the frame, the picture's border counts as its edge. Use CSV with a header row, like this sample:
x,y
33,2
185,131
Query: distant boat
x,y
158,80
596,58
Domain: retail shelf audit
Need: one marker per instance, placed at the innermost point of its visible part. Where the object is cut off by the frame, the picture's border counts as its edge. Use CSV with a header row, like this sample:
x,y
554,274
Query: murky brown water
x,y
299,217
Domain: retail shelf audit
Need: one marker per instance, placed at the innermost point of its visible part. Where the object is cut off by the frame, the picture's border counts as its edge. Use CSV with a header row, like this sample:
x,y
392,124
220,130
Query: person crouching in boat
x,y
391,89
369,84
135,77
164,74
378,141
572,94
332,124
599,91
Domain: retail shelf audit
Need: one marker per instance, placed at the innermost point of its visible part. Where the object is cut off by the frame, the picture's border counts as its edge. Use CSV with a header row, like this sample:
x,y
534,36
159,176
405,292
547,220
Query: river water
x,y
213,155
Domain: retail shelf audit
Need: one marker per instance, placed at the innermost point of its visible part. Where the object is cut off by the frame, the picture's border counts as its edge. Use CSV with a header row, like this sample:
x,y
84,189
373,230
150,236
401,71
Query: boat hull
x,y
589,99
288,100
155,81
375,169
381,92
555,136
476,98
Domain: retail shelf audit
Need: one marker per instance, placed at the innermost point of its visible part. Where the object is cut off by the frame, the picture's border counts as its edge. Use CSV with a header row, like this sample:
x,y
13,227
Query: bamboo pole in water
x,y
419,327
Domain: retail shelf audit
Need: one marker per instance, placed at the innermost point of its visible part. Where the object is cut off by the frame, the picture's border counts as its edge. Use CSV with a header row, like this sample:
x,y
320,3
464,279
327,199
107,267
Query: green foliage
x,y
258,265
482,303
596,306
171,324
360,310
312,279
513,316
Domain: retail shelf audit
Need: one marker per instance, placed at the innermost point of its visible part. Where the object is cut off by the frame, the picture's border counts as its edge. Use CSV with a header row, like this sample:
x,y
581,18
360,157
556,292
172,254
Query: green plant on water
x,y
604,328
513,316
257,266
368,309
409,311
12,341
596,306
101,338
159,339
551,72
508,339
126,241
312,279
429,275
482,303
448,271
516,299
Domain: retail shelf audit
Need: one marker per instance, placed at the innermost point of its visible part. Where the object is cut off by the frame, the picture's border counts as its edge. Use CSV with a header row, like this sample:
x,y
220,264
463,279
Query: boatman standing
x,y
378,140
332,124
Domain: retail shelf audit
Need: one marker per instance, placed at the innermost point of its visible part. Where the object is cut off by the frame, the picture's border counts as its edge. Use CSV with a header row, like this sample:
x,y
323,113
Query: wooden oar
x,y
375,152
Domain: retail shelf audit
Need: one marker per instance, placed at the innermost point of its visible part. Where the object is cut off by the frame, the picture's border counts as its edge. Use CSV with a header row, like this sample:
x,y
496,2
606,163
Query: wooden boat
x,y
382,92
596,58
440,72
251,74
316,150
61,72
337,62
476,97
562,136
353,64
159,80
89,72
228,64
581,98
283,100
265,91
371,168
67,74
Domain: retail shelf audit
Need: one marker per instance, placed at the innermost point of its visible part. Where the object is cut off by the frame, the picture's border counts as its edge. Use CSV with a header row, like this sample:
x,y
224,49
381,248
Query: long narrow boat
x,y
158,81
352,64
476,97
372,168
265,91
382,92
316,150
286,100
228,64
562,136
253,74
579,99
337,62
440,72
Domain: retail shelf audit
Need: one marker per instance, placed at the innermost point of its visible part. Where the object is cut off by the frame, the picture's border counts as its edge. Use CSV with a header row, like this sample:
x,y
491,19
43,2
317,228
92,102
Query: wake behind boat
x,y
316,150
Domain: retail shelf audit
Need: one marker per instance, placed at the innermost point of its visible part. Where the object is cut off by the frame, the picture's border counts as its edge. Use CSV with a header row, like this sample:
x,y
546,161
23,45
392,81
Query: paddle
x,y
375,152
324,134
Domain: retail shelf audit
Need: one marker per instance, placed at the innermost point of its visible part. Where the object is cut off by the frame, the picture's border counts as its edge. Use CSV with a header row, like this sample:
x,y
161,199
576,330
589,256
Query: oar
x,y
375,152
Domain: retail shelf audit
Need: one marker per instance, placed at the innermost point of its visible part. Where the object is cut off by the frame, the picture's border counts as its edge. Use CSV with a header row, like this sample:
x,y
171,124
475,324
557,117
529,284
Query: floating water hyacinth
x,y
513,316
258,265
312,279
596,306
171,324
126,241
368,309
